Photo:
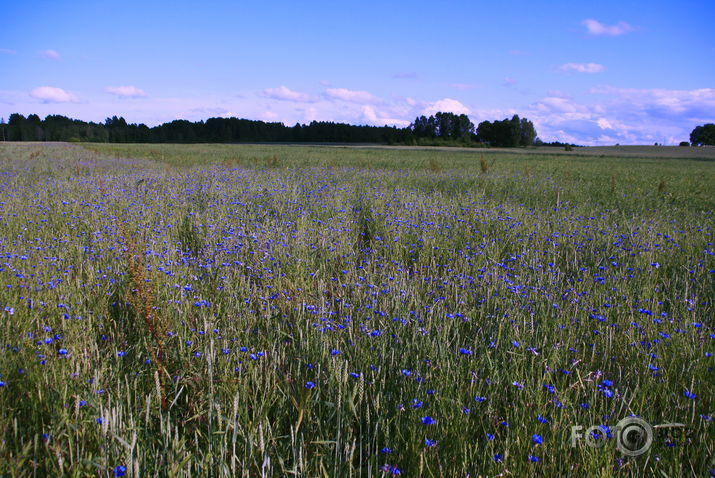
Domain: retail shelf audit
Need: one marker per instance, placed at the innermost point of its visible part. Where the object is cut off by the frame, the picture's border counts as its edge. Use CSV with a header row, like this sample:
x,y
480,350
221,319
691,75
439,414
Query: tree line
x,y
444,128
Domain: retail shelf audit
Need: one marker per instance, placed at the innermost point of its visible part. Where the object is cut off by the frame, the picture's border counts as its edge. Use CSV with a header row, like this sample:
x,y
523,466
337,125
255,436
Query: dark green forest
x,y
439,129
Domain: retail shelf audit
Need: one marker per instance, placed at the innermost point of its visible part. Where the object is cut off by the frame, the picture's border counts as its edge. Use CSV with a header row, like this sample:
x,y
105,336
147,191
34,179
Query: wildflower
x,y
497,457
479,399
120,471
427,420
464,351
429,442
490,437
537,439
62,351
542,419
386,451
533,458
120,353
689,395
309,385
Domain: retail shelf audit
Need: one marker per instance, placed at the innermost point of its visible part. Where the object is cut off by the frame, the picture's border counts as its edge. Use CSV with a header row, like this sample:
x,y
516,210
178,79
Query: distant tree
x,y
508,132
703,135
684,143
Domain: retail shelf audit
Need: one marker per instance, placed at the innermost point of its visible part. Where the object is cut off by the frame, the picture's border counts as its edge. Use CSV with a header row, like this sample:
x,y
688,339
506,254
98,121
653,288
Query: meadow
x,y
265,310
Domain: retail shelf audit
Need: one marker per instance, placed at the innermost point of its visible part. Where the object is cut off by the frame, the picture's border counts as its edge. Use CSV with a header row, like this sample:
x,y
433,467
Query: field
x,y
257,310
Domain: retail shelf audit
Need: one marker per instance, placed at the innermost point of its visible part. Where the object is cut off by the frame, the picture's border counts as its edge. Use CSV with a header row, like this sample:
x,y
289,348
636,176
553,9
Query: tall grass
x,y
270,311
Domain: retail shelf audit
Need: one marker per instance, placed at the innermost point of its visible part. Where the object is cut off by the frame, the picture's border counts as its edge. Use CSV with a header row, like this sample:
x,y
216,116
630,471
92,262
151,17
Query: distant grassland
x,y
266,310
517,174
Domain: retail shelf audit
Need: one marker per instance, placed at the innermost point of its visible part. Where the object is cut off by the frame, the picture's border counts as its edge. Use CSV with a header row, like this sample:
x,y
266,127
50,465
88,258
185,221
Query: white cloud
x,y
603,123
375,118
446,105
125,91
283,93
508,81
50,94
7,51
599,29
583,67
50,55
693,104
352,96
623,115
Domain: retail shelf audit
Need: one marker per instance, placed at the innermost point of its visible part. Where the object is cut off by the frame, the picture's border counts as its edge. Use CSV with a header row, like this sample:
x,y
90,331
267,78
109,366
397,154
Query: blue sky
x,y
586,72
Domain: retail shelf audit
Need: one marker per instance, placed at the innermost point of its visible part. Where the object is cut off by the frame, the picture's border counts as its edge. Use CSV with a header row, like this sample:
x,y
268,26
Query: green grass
x,y
156,264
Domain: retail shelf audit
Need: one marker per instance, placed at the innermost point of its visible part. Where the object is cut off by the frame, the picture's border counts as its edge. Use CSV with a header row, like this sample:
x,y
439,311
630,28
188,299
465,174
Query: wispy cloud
x,y
125,91
284,93
509,81
352,96
50,55
50,94
597,28
446,105
405,75
7,51
463,86
583,67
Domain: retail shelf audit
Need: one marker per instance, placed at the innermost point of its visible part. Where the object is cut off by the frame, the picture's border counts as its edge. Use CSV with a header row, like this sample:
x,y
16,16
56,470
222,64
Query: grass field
x,y
257,310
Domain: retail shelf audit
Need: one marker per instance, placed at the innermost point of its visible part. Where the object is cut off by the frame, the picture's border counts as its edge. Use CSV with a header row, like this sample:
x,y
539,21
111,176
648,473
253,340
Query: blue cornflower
x,y
309,385
416,403
427,420
120,353
62,351
99,420
533,458
120,471
429,442
536,439
2,384
334,352
464,351
386,451
490,437
479,399
542,419
688,394
607,393
497,457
